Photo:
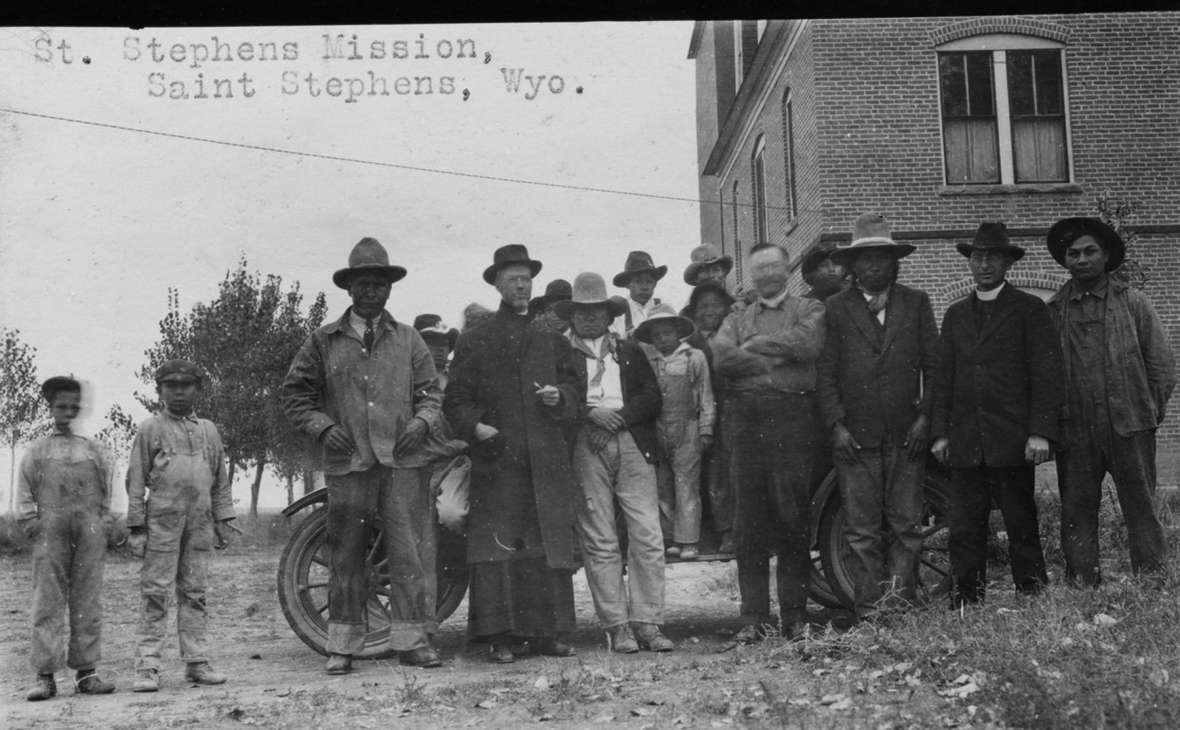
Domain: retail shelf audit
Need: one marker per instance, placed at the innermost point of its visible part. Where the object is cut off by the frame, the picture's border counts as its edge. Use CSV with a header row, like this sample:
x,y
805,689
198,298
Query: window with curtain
x,y
1037,109
969,133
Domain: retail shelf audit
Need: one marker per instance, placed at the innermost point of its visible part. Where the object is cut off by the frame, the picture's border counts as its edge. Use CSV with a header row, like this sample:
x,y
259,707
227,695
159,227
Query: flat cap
x,y
180,371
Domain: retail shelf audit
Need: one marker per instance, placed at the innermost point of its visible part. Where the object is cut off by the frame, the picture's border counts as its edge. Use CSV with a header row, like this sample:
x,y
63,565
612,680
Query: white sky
x,y
97,223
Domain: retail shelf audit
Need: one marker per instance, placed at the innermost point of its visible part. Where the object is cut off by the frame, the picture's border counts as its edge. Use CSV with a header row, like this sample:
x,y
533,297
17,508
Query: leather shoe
x,y
338,664
796,630
423,656
502,654
749,634
146,680
46,688
89,683
651,638
621,640
550,646
202,673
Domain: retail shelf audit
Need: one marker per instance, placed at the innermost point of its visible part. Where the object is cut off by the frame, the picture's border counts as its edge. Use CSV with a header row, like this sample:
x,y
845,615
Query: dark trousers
x,y
972,492
403,500
1080,469
771,473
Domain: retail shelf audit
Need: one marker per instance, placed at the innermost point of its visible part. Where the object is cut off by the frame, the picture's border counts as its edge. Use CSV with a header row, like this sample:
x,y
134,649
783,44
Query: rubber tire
x,y
819,588
934,577
306,611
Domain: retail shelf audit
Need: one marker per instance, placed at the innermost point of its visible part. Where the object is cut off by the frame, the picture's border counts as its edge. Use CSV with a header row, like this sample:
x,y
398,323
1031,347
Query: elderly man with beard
x,y
512,387
365,388
768,352
878,359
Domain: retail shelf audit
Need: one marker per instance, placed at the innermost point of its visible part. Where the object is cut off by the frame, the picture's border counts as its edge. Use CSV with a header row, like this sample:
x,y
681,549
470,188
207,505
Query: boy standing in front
x,y
684,428
177,458
63,503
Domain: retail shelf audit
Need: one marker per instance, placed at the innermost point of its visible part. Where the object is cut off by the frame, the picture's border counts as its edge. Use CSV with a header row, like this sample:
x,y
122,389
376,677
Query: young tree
x,y
1114,212
244,340
20,399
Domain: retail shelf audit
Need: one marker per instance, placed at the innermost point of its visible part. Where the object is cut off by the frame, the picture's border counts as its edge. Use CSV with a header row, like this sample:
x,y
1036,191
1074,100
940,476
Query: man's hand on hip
x,y
336,439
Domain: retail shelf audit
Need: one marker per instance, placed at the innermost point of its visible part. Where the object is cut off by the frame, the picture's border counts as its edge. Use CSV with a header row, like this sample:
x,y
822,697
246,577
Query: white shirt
x,y
989,296
880,315
639,315
775,301
609,391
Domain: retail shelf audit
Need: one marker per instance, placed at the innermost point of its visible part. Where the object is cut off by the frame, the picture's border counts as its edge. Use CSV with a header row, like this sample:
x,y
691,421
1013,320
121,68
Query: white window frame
x,y
998,44
761,29
758,191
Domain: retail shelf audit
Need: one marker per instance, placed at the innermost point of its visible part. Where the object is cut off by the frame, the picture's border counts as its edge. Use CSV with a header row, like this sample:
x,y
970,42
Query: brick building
x,y
940,123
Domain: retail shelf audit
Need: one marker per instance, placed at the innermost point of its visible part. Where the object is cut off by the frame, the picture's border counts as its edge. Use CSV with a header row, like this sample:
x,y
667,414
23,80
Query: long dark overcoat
x,y
522,486
994,388
876,379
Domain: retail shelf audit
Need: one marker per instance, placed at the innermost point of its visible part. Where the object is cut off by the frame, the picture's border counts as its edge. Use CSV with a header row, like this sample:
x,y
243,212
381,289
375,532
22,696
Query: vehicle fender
x,y
317,497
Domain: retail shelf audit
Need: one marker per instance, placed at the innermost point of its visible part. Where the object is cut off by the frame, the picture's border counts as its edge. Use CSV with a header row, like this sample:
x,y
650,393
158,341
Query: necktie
x,y
368,334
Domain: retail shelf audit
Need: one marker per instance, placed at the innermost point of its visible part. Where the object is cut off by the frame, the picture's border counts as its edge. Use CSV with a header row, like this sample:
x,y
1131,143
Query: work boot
x,y
338,664
87,682
621,640
423,656
46,688
551,646
502,653
146,680
202,673
689,551
651,638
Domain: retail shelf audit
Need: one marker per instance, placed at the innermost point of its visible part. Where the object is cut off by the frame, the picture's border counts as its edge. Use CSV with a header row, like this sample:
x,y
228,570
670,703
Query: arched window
x,y
758,185
789,155
1004,110
737,240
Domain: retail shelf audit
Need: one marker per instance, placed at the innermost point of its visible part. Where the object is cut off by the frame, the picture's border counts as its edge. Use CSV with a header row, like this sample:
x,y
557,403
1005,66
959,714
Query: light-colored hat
x,y
706,254
368,256
663,313
871,231
589,290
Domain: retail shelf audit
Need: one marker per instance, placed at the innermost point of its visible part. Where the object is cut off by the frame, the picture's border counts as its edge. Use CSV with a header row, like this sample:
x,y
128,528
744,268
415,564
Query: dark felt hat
x,y
556,291
664,313
814,258
179,371
638,262
1066,231
432,329
513,253
871,231
368,256
705,255
991,237
589,290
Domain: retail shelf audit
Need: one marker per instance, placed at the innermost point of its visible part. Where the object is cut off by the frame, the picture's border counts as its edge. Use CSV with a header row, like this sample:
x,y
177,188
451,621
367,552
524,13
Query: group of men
x,y
605,422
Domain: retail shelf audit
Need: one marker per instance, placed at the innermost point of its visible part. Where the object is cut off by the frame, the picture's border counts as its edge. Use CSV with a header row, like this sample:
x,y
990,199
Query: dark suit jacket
x,y
995,388
641,395
877,380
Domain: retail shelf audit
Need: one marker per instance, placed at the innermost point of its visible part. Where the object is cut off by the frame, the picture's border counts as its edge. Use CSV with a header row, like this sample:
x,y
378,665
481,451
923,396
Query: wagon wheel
x,y
303,585
934,576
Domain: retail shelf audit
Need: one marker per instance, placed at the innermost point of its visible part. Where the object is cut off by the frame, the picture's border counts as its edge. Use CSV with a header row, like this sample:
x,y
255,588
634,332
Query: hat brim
x,y
847,254
690,272
565,307
625,277
489,274
448,338
1116,247
343,277
1016,252
684,327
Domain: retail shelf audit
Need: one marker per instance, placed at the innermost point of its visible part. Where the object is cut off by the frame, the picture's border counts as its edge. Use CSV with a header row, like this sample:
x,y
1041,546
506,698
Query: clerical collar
x,y
989,296
774,302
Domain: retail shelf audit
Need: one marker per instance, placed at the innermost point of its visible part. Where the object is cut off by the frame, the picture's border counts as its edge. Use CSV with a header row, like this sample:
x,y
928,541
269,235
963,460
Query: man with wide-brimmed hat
x,y
824,275
1119,373
541,308
512,386
997,398
364,387
876,367
767,352
614,454
707,264
685,425
639,277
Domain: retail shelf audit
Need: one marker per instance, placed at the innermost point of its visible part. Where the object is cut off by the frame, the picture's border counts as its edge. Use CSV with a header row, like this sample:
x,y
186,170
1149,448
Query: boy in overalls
x,y
179,459
63,504
685,425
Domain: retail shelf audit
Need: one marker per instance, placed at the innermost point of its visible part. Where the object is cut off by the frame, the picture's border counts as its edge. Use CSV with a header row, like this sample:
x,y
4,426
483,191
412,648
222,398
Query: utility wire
x,y
378,163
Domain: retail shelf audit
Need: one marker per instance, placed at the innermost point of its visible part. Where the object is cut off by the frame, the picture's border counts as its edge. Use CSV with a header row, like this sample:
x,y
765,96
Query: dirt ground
x,y
276,681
